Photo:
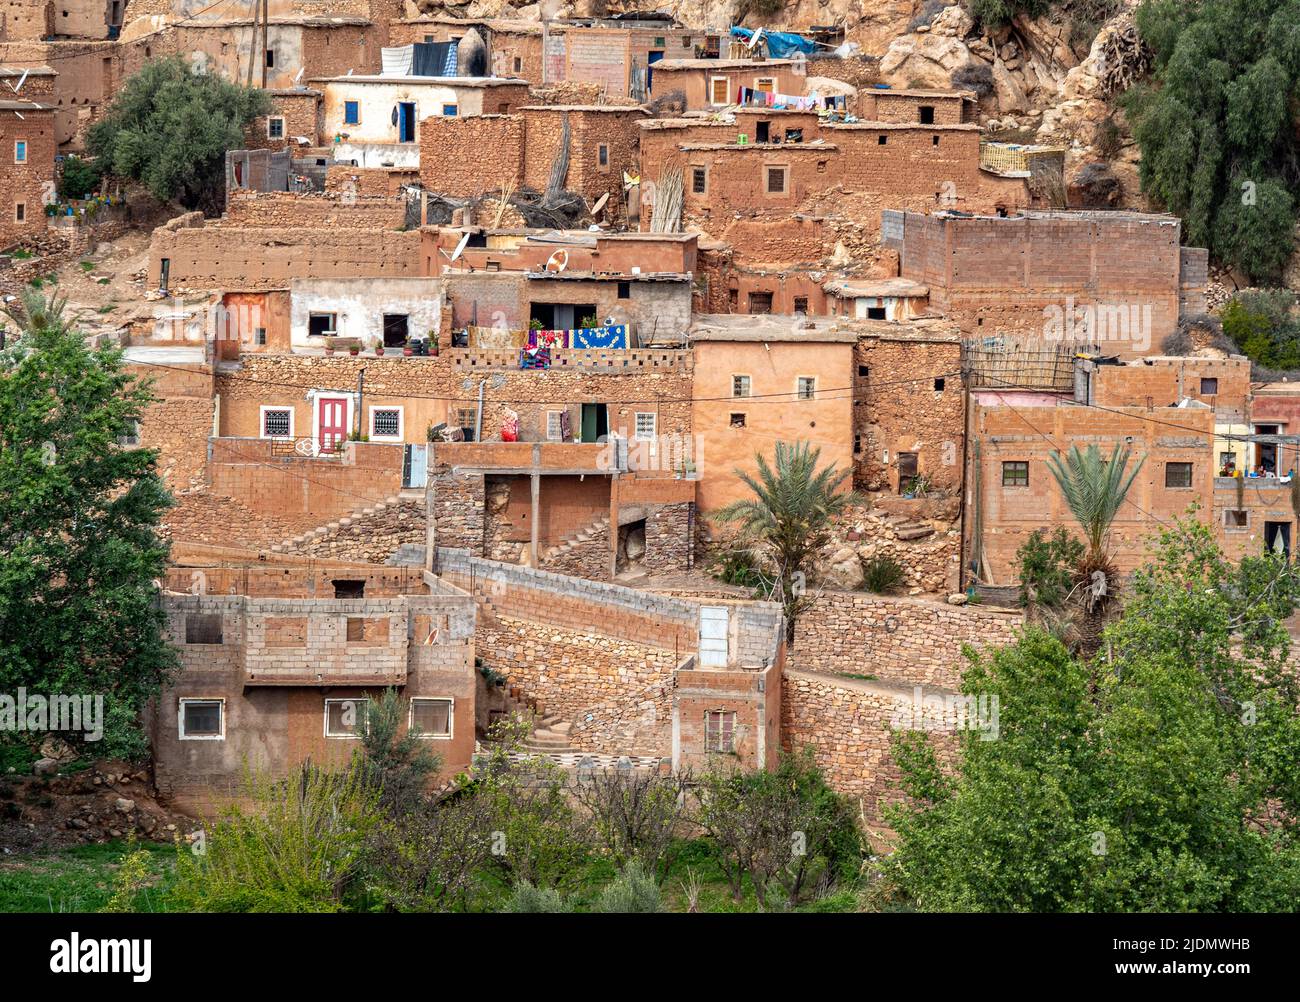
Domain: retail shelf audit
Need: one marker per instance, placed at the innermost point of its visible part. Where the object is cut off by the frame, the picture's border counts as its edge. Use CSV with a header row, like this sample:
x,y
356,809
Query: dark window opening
x,y
395,329
927,114
882,140
762,132
270,58
321,324
1209,387
876,313
760,302
203,628
1235,519
698,180
737,420
346,588
864,371
624,290
934,140
801,304
939,384
562,316
595,422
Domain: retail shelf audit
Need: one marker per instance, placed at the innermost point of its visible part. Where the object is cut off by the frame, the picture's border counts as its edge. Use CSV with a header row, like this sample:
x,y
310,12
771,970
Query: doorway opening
x,y
595,422
562,316
396,328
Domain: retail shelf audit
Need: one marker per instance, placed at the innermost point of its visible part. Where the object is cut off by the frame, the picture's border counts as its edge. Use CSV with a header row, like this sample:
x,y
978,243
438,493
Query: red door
x,y
333,428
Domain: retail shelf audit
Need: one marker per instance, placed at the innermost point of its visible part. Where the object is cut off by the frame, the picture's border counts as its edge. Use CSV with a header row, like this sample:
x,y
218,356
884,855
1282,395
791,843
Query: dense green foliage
x,y
79,515
169,127
882,574
1262,324
1047,567
1215,127
1094,488
1151,779
80,177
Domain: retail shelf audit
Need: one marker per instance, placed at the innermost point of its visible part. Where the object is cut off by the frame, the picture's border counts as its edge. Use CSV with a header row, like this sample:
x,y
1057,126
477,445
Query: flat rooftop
x,y
768,327
432,81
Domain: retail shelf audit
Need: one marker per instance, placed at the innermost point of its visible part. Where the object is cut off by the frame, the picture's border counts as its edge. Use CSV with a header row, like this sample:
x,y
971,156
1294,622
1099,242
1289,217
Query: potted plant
x,y
407,350
379,349
329,346
433,344
354,349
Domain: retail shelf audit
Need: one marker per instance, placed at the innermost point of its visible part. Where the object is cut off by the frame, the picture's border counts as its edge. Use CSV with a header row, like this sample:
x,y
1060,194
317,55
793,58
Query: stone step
x,y
918,532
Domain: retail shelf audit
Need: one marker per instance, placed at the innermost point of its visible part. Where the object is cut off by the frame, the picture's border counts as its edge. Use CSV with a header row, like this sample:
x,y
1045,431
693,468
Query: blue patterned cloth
x,y
600,337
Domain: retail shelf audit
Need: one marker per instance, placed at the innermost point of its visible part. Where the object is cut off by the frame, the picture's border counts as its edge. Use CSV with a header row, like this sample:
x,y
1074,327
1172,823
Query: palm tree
x,y
789,518
1094,488
32,311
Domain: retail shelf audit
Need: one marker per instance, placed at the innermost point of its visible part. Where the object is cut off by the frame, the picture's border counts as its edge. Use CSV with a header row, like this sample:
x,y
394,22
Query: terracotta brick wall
x,y
25,184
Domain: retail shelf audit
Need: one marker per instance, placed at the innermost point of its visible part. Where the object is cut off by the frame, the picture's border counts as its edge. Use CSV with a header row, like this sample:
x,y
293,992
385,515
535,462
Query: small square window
x,y
131,439
386,422
259,335
624,290
277,422
719,90
645,425
345,718
699,180
351,113
1209,387
1015,473
934,140
882,140
275,128
450,110
431,718
939,384
766,84
201,719
927,114
203,628
720,731
807,387
801,305
1236,519
1178,474
776,180
864,371
740,386
737,420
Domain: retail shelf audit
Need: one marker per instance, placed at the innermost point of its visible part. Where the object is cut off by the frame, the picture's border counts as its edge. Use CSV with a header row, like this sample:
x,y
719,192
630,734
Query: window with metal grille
x,y
277,423
720,731
203,628
131,438
1015,473
645,424
776,180
431,718
386,422
807,387
275,128
1178,474
699,180
740,386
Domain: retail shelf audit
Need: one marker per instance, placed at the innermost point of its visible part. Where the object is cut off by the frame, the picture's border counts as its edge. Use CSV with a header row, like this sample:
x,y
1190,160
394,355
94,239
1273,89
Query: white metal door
x,y
713,635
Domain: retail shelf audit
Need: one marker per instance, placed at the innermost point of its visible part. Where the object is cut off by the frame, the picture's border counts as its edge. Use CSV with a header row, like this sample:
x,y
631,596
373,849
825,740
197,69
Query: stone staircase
x,y
550,736
569,542
322,531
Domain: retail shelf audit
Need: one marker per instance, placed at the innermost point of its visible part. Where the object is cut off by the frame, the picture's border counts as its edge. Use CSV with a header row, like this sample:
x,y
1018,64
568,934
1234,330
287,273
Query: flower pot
x,y
379,351
354,352
408,351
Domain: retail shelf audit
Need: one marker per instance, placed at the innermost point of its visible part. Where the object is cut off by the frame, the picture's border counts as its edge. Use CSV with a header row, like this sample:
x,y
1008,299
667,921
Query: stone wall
x,y
848,723
466,156
910,640
25,184
369,538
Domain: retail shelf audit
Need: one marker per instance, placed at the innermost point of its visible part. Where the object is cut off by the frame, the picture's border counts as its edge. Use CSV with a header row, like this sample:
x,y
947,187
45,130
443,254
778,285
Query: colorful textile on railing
x,y
496,337
599,337
548,339
534,358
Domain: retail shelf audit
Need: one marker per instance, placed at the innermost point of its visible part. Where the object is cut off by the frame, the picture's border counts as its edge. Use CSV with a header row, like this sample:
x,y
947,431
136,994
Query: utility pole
x,y
361,399
252,43
265,40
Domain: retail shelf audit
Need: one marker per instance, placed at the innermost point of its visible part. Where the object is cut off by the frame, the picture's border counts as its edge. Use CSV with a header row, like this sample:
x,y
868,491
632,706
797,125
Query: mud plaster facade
x,y
27,148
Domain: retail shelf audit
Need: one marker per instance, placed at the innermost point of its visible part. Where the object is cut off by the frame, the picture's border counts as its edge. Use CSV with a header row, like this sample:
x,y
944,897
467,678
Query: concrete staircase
x,y
583,535
321,531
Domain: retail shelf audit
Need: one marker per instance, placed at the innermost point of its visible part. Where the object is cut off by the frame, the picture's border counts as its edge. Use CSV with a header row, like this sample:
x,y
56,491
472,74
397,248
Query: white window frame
x,y
131,440
451,718
274,118
554,434
261,422
344,737
26,151
713,101
749,386
798,388
771,84
636,426
401,423
180,718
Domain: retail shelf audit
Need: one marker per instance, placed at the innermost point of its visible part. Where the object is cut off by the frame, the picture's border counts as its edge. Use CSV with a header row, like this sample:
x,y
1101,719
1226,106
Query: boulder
x,y
45,766
923,60
953,21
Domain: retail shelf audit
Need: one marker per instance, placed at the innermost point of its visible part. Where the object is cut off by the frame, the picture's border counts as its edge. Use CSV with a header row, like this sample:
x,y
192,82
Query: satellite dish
x,y
460,247
21,80
558,261
600,203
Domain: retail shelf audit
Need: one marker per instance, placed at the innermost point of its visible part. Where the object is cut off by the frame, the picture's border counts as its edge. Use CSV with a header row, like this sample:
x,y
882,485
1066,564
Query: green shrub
x,y
80,178
300,848
634,891
530,900
882,574
1047,567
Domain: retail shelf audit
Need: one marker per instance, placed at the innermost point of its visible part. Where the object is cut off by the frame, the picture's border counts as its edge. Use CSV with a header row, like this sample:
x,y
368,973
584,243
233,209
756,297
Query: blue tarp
x,y
780,44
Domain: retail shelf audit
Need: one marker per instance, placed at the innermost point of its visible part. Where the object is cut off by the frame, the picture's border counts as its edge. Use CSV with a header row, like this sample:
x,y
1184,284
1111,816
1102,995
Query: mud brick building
x,y
27,150
715,83
279,659
1118,279
296,115
514,46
